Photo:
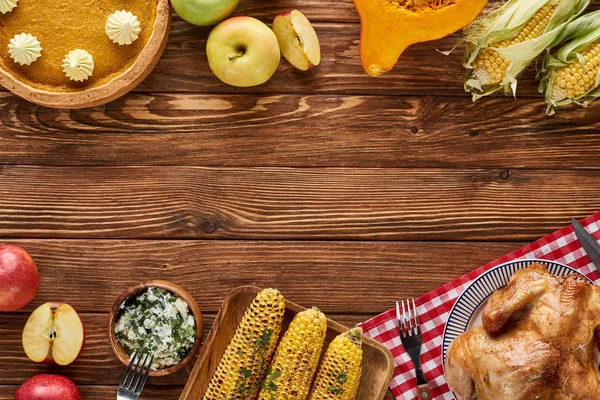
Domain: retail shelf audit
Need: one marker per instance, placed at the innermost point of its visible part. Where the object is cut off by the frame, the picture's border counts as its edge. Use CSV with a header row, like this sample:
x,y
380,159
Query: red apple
x,y
53,334
19,278
297,39
48,387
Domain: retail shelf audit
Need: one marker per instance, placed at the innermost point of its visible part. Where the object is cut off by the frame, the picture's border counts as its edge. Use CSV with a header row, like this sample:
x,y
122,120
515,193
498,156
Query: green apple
x,y
243,52
204,12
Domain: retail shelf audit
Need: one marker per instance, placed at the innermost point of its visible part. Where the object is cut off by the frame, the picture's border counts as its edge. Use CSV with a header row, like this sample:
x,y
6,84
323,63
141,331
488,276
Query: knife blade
x,y
589,244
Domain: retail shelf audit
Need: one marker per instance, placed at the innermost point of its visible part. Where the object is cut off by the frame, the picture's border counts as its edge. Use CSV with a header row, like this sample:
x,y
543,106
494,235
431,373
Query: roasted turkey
x,y
537,341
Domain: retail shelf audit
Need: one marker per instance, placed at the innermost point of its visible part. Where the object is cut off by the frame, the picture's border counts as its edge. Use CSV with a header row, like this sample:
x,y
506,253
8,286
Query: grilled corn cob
x,y
296,359
339,373
573,72
502,45
246,359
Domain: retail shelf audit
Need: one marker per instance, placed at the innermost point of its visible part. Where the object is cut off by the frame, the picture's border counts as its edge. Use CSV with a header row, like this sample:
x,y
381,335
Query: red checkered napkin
x,y
561,246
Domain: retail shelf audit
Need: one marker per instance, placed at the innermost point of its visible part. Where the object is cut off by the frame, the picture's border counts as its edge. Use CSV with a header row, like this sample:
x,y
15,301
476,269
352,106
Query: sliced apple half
x,y
53,334
297,39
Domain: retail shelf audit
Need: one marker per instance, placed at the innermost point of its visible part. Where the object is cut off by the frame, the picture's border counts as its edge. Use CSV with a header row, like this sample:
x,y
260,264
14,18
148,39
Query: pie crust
x,y
103,91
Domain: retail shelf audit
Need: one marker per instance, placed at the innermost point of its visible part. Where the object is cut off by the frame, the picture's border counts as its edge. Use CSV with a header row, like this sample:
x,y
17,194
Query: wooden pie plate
x,y
378,364
116,87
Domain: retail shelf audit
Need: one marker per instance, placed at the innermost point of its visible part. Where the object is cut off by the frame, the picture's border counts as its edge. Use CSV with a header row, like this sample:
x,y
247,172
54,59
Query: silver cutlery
x,y
410,335
589,244
135,376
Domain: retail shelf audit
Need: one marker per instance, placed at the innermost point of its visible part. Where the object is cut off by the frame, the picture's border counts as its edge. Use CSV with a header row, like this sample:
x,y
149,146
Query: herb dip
x,y
158,321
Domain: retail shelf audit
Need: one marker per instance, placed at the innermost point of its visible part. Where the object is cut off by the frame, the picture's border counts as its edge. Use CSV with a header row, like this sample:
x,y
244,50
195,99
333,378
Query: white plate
x,y
466,312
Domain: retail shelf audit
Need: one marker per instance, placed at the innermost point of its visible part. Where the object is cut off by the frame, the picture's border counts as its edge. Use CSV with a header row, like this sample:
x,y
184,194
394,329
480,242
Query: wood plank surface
x,y
300,130
97,392
338,277
345,192
209,269
97,364
106,392
315,10
292,203
421,70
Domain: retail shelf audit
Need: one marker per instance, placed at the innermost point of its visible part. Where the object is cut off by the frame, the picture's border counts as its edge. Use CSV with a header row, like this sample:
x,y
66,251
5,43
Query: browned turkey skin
x,y
537,342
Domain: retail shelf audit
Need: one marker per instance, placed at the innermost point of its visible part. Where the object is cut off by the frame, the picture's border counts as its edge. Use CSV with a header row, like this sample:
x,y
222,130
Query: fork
x,y
135,376
410,336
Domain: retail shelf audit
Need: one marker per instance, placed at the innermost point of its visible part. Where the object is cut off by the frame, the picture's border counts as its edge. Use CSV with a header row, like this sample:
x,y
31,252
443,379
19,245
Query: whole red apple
x,y
48,387
19,278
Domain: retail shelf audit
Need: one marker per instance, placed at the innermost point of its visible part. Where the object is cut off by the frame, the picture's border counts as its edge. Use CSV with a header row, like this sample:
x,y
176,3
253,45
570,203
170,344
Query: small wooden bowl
x,y
136,290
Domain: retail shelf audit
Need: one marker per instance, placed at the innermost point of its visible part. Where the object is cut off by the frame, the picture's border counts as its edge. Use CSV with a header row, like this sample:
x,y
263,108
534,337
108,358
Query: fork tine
x,y
145,378
134,372
400,318
136,378
403,319
409,319
417,324
126,374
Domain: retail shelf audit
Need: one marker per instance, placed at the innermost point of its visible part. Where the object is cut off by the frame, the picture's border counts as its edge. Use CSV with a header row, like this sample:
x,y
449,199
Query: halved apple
x,y
53,334
297,39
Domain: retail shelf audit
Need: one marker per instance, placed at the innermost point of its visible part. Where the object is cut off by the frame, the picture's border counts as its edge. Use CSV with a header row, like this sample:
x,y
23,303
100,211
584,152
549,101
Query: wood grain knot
x,y
505,174
208,227
414,129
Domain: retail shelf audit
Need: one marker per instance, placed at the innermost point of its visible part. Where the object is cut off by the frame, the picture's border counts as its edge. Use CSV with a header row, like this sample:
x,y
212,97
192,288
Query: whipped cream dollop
x,y
24,48
7,5
123,27
78,65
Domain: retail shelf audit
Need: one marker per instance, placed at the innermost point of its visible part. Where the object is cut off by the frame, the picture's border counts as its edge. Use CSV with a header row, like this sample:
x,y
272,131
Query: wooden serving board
x,y
378,364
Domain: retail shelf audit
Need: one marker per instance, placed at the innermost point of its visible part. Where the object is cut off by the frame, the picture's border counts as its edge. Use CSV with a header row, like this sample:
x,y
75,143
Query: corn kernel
x,y
338,377
296,359
534,28
246,358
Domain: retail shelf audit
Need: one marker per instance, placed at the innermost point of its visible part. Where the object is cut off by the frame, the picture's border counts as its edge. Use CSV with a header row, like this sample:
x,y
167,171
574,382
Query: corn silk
x,y
502,26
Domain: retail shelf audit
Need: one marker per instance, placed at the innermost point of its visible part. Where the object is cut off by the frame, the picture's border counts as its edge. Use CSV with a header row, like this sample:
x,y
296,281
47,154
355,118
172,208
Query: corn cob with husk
x,y
296,359
572,73
338,377
246,359
503,43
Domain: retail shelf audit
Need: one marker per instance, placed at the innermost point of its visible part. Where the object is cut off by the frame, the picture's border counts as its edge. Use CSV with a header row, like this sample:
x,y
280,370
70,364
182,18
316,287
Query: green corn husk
x,y
580,35
505,24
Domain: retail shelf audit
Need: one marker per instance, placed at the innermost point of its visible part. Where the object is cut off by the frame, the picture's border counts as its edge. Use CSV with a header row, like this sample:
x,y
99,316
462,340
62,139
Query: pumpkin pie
x,y
92,51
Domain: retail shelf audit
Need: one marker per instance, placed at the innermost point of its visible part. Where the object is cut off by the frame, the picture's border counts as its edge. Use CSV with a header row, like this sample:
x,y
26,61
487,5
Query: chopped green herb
x,y
158,321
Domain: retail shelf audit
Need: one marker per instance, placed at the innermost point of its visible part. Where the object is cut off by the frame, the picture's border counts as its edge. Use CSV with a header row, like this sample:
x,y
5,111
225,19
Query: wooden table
x,y
343,191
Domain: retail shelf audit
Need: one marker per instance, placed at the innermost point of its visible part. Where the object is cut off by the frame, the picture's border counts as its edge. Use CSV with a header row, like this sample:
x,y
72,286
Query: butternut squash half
x,y
388,27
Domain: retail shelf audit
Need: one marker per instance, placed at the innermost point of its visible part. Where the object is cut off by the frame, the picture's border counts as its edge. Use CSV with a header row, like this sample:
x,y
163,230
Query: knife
x,y
591,247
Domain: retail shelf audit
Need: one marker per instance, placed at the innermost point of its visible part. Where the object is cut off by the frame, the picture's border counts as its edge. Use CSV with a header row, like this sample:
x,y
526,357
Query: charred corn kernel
x,y
339,373
490,67
296,359
582,77
246,359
